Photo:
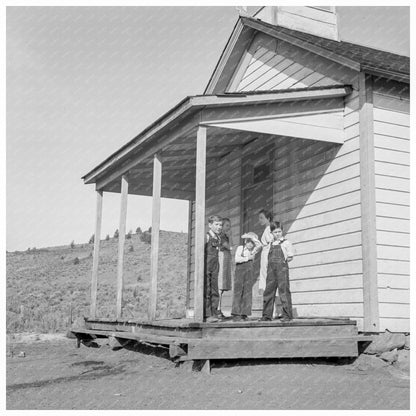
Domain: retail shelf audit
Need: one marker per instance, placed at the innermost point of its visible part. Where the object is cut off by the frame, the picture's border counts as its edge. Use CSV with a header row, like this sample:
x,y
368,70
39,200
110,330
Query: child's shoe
x,y
285,319
211,319
264,318
237,318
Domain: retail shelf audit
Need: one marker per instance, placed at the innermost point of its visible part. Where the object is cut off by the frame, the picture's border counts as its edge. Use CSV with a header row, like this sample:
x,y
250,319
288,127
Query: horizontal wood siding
x,y
309,19
278,65
223,190
319,21
392,170
317,197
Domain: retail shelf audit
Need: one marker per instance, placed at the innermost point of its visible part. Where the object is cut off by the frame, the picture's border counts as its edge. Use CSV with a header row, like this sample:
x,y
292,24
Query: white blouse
x,y
267,236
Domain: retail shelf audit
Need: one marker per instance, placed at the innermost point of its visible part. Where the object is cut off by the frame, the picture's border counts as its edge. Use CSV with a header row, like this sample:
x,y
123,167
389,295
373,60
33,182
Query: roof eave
x,y
192,104
238,27
384,73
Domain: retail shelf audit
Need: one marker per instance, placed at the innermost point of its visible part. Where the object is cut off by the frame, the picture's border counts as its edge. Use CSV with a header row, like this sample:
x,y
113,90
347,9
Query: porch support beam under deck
x,y
201,148
121,240
156,201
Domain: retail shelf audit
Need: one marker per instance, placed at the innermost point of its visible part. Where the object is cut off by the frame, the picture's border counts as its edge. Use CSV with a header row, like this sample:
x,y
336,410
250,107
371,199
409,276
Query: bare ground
x,y
54,374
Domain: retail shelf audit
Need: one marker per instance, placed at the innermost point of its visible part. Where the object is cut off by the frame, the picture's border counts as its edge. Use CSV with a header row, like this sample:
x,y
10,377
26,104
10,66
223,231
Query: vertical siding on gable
x,y
317,197
392,169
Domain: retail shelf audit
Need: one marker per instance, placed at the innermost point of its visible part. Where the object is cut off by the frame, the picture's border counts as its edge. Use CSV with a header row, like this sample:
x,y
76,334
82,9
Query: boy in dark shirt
x,y
212,245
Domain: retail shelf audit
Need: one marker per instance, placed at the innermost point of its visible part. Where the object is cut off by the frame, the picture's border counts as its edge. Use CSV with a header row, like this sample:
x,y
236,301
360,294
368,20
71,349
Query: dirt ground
x,y
54,374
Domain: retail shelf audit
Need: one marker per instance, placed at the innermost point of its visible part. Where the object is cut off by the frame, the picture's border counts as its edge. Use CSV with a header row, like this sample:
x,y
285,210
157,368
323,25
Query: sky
x,y
82,81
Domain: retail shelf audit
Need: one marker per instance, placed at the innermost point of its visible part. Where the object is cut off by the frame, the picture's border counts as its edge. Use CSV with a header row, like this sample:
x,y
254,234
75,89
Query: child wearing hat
x,y
244,276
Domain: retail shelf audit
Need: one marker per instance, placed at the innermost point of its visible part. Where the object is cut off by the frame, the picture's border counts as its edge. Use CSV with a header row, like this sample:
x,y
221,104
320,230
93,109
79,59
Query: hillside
x,y
44,285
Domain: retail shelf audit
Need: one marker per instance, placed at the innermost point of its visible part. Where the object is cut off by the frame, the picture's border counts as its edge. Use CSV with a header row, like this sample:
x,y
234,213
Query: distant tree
x,y
150,230
72,244
91,240
107,237
28,249
146,237
128,235
115,234
76,260
138,230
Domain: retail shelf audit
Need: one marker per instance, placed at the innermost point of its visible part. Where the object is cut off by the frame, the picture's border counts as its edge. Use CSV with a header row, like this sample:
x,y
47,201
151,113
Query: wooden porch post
x,y
157,187
201,147
97,235
188,259
368,204
121,239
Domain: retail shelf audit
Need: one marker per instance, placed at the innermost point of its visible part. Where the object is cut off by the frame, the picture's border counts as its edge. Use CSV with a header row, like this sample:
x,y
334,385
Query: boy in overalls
x,y
211,269
281,252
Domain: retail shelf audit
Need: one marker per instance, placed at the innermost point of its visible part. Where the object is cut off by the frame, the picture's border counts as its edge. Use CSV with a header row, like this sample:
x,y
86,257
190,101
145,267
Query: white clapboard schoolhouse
x,y
296,120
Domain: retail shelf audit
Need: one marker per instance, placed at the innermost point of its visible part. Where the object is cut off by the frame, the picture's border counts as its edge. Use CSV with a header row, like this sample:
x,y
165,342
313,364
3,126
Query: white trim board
x,y
327,127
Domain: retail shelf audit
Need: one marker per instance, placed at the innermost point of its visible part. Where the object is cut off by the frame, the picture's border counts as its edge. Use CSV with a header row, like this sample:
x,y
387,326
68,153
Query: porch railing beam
x,y
156,202
121,240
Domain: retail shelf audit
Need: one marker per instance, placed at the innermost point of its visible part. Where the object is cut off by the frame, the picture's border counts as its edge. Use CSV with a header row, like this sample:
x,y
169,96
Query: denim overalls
x,y
211,293
243,286
277,278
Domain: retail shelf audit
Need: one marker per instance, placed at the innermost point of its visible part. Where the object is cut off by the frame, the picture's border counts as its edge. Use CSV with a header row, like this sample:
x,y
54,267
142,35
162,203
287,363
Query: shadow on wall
x,y
300,165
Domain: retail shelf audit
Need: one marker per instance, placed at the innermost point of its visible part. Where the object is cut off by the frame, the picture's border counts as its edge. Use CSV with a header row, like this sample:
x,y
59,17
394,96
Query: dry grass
x,y
45,285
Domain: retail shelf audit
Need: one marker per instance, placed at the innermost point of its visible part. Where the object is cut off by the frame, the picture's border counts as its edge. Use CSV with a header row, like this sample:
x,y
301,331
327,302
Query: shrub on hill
x,y
146,237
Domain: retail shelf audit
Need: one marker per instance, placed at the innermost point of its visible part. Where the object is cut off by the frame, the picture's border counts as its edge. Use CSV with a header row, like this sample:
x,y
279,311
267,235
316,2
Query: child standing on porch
x,y
265,218
224,257
212,245
243,278
281,252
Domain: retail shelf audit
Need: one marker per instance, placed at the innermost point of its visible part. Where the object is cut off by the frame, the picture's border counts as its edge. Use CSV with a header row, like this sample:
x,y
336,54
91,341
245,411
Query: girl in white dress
x,y
265,217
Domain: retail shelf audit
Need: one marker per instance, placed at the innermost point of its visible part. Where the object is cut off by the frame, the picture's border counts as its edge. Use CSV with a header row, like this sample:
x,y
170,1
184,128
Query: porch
x,y
188,340
190,153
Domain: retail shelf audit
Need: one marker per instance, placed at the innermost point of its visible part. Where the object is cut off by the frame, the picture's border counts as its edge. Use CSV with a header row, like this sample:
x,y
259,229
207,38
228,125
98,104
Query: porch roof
x,y
183,119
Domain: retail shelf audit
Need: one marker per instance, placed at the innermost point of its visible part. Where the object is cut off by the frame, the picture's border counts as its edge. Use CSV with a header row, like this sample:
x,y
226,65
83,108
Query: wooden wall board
x,y
272,349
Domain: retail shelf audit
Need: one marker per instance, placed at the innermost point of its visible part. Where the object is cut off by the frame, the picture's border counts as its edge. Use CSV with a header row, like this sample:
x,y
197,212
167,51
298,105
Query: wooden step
x,y
283,348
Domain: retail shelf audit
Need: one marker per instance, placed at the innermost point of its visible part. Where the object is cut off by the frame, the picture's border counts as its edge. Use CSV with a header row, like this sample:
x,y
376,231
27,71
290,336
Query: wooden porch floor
x,y
190,340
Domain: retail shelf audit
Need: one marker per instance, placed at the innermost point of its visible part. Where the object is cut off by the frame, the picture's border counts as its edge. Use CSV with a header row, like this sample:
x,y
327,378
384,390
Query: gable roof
x,y
356,57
